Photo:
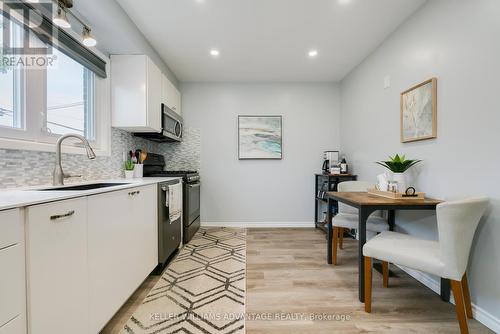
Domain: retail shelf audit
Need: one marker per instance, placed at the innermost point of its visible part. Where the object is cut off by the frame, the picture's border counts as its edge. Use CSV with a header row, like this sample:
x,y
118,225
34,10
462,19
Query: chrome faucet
x,y
58,175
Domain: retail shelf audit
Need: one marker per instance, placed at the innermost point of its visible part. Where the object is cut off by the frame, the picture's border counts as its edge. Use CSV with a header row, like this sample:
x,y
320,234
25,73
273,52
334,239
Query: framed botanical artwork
x,y
259,137
419,112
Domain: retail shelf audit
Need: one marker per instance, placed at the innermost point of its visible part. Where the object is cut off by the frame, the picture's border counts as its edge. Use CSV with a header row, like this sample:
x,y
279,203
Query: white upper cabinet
x,y
171,96
136,93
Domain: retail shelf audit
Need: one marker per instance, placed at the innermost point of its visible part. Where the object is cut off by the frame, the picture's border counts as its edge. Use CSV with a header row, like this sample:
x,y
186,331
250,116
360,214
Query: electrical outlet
x,y
387,81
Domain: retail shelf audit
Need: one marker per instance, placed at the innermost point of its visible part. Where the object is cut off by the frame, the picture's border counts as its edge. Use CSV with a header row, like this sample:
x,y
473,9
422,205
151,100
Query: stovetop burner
x,y
180,172
187,176
155,163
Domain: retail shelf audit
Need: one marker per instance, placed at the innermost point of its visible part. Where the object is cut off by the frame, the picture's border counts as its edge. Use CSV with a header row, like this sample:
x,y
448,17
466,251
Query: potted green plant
x,y
398,165
129,169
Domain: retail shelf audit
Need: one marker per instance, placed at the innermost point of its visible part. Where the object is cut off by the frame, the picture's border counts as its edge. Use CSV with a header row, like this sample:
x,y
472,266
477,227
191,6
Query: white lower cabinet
x,y
12,277
84,259
122,248
57,265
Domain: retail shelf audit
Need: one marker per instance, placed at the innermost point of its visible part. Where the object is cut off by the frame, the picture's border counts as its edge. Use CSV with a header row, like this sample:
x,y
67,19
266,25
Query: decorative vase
x,y
400,178
129,174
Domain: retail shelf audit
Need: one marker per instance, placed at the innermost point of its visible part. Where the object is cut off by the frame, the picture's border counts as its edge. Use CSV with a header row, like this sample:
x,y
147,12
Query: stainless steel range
x,y
169,231
154,167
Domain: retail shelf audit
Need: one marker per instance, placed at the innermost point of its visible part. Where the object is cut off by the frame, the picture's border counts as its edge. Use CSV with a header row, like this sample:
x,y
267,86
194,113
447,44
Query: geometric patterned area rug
x,y
201,291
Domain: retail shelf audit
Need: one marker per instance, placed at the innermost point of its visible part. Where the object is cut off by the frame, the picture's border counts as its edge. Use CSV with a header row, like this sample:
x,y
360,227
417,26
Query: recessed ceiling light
x,y
313,53
344,2
214,52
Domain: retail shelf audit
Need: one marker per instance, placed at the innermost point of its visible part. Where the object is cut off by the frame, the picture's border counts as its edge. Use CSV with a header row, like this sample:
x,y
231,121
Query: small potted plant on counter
x,y
129,169
398,165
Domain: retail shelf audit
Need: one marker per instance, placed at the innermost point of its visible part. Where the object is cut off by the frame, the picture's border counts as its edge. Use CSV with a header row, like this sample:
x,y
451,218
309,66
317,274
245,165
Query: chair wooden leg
x,y
368,284
385,273
465,291
335,244
456,287
341,238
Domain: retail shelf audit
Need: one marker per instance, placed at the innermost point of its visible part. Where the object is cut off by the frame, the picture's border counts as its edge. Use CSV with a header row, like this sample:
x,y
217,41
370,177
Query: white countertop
x,y
21,197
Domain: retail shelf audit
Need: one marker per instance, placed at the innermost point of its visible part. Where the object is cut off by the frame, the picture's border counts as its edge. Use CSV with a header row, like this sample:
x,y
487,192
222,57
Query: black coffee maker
x,y
331,158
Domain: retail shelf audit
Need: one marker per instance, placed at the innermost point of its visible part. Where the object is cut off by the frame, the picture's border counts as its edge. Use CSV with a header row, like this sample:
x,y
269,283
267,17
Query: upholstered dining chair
x,y
447,258
347,218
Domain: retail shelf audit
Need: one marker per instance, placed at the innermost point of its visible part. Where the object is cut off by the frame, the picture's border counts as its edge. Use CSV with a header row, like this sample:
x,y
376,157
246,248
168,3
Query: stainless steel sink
x,y
83,187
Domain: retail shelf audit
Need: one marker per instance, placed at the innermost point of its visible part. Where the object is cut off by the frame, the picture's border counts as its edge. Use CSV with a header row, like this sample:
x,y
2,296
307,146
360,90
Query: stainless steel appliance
x,y
191,201
154,167
171,127
169,232
331,158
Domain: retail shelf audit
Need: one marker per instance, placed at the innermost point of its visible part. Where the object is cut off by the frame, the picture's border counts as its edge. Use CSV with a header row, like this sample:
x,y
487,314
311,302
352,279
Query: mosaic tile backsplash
x,y
26,168
184,155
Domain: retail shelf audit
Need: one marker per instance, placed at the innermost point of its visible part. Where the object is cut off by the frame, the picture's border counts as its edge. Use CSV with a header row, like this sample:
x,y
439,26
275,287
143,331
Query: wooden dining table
x,y
367,204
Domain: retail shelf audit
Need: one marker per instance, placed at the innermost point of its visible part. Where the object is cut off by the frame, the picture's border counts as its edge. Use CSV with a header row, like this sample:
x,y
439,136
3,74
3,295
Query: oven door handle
x,y
164,188
196,185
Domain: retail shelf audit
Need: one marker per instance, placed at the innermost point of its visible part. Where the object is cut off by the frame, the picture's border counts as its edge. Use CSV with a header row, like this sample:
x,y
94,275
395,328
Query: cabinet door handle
x,y
133,193
64,215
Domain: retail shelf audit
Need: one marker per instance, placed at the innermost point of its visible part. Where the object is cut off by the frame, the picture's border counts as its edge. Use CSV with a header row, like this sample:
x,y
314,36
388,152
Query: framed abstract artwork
x,y
259,137
419,112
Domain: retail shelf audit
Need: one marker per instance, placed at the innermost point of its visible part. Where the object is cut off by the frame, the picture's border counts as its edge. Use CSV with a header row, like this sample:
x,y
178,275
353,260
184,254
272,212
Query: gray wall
x,y
270,191
456,41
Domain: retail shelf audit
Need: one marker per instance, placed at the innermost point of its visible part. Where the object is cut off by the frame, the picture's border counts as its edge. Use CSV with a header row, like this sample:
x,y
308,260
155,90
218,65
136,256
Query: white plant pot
x,y
129,174
400,178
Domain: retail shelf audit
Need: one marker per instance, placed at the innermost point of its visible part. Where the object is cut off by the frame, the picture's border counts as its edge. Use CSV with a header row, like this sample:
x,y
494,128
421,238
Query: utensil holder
x,y
138,170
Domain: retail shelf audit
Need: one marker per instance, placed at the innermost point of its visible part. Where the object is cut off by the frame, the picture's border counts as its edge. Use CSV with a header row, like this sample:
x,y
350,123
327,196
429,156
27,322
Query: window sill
x,y
16,144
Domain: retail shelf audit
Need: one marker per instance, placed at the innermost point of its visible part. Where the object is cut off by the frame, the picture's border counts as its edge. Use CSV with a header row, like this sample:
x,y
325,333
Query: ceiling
x,y
266,40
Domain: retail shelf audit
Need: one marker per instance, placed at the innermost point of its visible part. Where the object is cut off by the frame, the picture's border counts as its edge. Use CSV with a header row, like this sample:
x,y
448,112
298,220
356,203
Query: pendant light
x,y
60,19
87,38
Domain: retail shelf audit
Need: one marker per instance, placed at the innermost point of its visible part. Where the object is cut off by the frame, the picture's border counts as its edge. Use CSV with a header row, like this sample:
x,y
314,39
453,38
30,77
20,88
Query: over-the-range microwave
x,y
171,127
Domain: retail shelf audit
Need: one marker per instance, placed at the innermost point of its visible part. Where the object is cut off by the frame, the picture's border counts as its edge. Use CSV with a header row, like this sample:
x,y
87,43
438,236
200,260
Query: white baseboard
x,y
479,314
259,224
423,278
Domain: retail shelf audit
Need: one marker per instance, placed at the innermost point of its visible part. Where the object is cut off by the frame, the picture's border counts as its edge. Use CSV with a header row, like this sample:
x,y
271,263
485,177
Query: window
x,y
11,111
37,105
70,107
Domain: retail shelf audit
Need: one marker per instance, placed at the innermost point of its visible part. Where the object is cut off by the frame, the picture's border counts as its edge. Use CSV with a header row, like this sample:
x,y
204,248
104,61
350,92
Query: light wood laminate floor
x,y
287,276
287,272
